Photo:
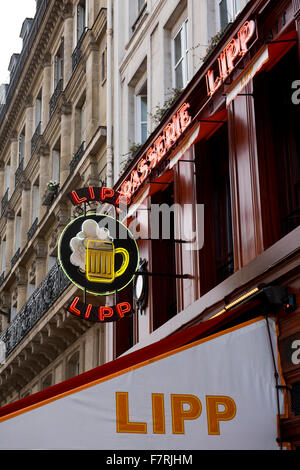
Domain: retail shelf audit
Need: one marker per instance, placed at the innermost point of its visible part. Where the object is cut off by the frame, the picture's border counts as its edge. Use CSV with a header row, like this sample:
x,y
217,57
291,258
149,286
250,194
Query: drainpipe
x,y
109,149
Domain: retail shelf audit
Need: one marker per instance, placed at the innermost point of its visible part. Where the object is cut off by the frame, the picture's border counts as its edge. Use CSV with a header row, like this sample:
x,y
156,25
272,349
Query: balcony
x,y
32,229
2,277
19,171
76,56
38,304
4,201
35,137
15,257
55,96
76,157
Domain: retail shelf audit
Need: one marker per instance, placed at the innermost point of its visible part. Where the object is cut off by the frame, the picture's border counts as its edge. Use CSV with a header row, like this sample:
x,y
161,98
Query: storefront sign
x,y
234,50
96,194
250,71
218,393
154,155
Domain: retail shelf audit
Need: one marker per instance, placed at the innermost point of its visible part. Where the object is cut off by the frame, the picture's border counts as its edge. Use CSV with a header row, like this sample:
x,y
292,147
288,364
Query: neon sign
x,y
170,134
99,255
235,49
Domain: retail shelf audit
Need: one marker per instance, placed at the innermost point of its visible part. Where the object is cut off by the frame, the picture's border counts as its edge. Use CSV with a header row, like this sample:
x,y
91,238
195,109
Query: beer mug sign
x,y
98,254
100,261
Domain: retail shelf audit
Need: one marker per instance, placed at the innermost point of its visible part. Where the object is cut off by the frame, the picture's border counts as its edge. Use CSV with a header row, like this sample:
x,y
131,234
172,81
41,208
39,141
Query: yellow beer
x,y
100,261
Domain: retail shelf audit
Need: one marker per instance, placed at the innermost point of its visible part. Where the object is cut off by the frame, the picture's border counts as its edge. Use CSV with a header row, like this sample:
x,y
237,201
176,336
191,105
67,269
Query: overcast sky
x,y
12,15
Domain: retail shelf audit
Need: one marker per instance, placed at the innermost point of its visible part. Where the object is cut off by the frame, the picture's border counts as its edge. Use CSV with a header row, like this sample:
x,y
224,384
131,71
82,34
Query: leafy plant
x,y
51,185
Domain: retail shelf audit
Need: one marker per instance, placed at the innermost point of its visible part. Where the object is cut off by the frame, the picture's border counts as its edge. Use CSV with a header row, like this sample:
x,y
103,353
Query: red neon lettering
x,y
123,308
223,66
143,168
105,312
245,34
88,311
134,180
77,199
72,308
106,193
126,189
151,156
185,118
91,192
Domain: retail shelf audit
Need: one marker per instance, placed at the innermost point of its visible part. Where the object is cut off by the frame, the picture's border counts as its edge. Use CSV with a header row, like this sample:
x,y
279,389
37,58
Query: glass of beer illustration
x,y
100,261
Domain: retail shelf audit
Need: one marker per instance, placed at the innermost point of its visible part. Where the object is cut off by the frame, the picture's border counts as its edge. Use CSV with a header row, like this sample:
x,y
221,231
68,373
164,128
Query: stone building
x,y
86,90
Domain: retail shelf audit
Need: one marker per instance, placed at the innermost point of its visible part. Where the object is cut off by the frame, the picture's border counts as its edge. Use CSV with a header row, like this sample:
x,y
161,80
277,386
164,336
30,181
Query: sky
x,y
12,15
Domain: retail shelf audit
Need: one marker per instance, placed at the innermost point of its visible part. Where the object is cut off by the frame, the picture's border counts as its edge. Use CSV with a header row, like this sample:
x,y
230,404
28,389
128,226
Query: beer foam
x,y
90,230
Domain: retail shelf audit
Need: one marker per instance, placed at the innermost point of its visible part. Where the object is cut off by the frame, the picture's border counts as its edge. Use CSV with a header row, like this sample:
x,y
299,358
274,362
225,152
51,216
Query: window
x,y
83,123
35,202
213,190
13,312
51,262
81,18
229,9
180,57
18,231
278,143
7,176
31,288
58,65
103,65
38,110
141,116
47,382
3,255
22,145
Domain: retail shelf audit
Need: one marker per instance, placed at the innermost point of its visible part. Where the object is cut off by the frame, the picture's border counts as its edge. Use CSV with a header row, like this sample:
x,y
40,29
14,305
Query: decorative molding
x,y
21,276
67,11
28,101
46,60
40,248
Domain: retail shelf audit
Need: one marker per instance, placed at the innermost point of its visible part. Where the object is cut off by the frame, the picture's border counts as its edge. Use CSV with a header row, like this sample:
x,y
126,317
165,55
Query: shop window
x,y
229,9
126,328
73,365
278,142
163,260
180,57
213,190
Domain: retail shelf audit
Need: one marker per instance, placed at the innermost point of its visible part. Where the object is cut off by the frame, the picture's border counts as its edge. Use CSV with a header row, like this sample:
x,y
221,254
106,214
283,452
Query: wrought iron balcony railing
x,y
77,156
37,305
19,172
2,277
35,137
55,96
76,55
4,201
32,229
15,257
